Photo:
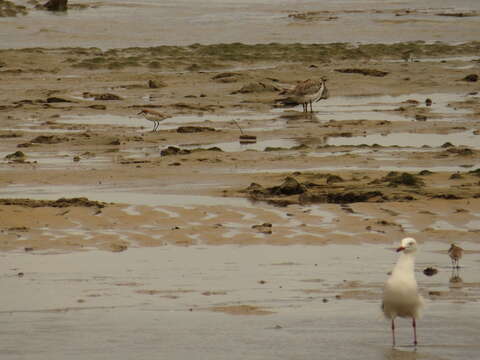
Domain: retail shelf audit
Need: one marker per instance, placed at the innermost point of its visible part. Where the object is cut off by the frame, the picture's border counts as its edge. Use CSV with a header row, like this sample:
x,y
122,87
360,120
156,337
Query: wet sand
x,y
185,242
202,301
373,163
180,255
108,24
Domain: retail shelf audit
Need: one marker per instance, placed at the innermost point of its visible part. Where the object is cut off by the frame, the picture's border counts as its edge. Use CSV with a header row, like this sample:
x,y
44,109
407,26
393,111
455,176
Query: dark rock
x,y
60,203
156,84
289,187
394,179
106,96
48,139
463,151
173,150
471,78
213,148
255,188
366,72
8,8
265,228
227,77
333,179
411,102
18,228
16,155
430,271
458,14
98,107
475,172
56,5
425,172
352,197
456,176
9,135
248,139
118,247
419,117
54,99
194,129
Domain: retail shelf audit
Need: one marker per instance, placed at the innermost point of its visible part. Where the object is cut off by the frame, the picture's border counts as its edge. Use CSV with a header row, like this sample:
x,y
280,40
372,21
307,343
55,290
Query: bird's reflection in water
x,y
311,117
403,354
455,280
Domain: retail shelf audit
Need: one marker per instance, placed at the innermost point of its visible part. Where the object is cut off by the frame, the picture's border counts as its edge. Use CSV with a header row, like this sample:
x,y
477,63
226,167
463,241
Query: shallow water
x,y
133,196
235,146
381,167
167,124
107,119
185,22
373,108
381,107
155,301
464,138
440,59
28,129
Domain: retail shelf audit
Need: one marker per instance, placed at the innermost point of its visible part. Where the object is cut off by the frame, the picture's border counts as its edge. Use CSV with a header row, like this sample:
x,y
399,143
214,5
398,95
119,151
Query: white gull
x,y
400,294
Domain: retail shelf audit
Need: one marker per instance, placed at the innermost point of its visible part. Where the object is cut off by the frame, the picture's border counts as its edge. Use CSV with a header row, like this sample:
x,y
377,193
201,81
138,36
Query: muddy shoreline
x,y
212,22
373,162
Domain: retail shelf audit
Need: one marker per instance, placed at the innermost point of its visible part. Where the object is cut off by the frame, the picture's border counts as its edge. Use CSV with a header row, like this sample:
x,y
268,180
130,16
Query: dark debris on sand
x,y
59,203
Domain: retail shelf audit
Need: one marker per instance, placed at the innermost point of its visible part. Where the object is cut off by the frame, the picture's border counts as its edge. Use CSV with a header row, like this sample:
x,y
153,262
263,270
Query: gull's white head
x,y
408,245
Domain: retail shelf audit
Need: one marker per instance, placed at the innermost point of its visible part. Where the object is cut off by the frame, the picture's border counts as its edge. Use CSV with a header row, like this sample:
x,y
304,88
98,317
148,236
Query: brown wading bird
x,y
306,92
153,116
400,294
456,253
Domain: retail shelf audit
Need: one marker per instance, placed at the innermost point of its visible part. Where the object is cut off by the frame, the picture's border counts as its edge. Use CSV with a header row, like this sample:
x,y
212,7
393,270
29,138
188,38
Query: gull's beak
x,y
140,113
401,248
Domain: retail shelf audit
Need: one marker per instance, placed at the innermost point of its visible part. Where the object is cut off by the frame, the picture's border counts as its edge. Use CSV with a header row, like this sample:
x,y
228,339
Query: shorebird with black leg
x,y
306,92
455,252
153,116
400,294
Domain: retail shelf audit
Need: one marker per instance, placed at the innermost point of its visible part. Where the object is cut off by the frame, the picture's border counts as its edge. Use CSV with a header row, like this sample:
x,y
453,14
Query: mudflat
x,y
241,228
394,150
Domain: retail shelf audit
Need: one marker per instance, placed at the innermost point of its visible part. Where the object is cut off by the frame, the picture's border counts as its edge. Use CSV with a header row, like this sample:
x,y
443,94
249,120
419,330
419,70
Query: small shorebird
x,y
455,252
400,294
153,116
306,92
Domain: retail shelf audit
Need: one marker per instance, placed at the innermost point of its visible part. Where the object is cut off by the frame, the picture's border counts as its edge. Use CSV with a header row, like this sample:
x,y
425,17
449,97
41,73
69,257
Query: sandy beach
x,y
158,241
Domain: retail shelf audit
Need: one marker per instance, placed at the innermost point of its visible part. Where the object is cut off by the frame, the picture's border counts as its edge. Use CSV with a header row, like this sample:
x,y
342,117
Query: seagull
x,y
456,253
400,294
153,116
306,92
